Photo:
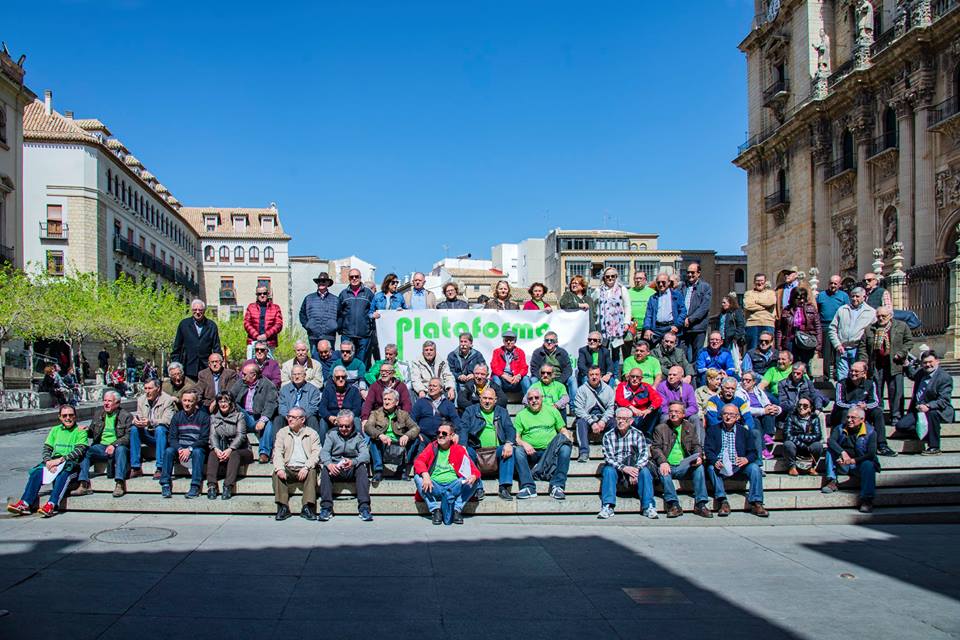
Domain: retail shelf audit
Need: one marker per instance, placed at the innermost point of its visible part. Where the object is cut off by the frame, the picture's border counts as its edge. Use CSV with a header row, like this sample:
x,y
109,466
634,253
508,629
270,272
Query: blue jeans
x,y
98,453
31,492
505,466
198,458
681,471
752,474
265,437
572,389
447,497
376,454
583,433
844,362
866,471
608,486
647,424
522,386
141,434
753,335
524,462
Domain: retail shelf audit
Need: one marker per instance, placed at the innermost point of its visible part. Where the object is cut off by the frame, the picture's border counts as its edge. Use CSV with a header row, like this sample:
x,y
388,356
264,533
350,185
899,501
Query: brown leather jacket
x,y
664,436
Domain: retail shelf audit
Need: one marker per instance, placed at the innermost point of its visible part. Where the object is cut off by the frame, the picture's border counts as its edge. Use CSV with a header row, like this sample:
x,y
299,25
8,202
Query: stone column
x,y
924,220
878,263
823,230
905,178
953,331
865,215
896,282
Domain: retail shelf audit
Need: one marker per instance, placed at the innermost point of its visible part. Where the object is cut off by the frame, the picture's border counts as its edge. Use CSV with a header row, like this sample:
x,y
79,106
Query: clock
x,y
773,8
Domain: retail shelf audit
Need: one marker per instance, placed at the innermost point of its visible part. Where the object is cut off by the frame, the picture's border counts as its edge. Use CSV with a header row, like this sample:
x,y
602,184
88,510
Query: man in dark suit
x,y
470,394
257,400
215,378
932,392
697,295
197,337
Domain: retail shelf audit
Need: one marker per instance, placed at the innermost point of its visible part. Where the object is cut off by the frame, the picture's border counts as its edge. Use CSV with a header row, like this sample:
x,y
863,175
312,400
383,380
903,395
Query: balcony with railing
x,y
776,93
943,112
135,253
882,144
840,72
940,8
53,230
839,167
883,41
777,201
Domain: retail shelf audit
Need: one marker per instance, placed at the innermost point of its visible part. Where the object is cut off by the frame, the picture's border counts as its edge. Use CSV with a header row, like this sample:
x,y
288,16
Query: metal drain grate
x,y
134,535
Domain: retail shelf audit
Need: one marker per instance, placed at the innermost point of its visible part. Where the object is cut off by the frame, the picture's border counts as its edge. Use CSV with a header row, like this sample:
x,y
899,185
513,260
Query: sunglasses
x,y
346,350
444,434
550,341
263,293
691,273
354,277
593,339
339,377
766,341
72,416
609,277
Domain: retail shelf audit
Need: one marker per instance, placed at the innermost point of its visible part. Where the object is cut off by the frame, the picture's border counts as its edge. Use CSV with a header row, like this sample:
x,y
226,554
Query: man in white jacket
x,y
847,328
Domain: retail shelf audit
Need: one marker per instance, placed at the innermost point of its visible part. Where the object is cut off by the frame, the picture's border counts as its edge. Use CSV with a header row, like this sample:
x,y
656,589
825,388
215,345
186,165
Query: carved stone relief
x,y
843,184
947,189
845,226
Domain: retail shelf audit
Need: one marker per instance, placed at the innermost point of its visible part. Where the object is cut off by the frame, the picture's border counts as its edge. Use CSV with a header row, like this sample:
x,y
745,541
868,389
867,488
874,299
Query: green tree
x,y
70,309
18,309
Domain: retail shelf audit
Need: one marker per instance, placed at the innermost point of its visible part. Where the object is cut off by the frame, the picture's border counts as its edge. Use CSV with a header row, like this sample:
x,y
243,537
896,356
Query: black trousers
x,y
359,473
890,375
909,423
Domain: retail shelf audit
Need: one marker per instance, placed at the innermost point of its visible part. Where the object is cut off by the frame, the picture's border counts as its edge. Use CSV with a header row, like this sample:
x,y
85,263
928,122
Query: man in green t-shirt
x,y
537,425
641,359
555,394
65,445
639,296
109,433
773,376
676,450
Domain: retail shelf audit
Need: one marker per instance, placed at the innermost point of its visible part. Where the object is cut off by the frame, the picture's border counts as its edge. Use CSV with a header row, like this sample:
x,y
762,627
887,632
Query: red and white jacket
x,y
459,460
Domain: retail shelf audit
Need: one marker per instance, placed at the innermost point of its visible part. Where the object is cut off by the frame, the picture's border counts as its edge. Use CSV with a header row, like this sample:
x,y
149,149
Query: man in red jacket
x,y
642,400
508,365
446,477
263,320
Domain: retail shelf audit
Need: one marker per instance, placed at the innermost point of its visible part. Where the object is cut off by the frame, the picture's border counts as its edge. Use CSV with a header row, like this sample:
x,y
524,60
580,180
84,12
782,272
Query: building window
x,y
622,267
740,276
143,243
153,249
650,267
846,150
55,263
263,282
211,223
228,294
224,254
238,254
130,236
109,181
3,126
268,254
254,254
266,224
208,254
54,221
239,223
577,268
163,256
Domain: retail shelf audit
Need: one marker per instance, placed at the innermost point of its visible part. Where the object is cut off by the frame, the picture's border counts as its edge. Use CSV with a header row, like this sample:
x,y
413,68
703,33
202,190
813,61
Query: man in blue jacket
x,y
354,315
187,438
487,425
697,295
319,314
665,311
732,453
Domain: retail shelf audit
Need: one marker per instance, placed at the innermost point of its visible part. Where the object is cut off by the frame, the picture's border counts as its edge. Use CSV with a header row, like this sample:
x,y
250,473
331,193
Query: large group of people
x,y
665,395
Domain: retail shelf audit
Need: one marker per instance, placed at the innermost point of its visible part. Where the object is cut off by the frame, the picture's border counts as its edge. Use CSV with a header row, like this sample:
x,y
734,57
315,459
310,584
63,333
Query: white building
x,y
90,205
303,269
531,262
506,258
340,267
14,96
243,248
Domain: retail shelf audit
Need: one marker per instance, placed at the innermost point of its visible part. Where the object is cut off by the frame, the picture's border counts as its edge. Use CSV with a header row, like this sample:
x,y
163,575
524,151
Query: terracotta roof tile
x,y
92,124
195,216
37,125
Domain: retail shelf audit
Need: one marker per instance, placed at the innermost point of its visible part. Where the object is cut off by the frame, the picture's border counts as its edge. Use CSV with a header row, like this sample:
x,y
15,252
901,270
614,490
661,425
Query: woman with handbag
x,y
489,435
229,447
798,329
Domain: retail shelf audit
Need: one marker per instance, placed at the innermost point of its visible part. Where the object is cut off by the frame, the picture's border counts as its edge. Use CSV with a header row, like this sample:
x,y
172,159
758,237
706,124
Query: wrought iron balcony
x,y
776,201
940,8
882,143
840,72
943,111
839,166
883,41
776,92
53,230
228,293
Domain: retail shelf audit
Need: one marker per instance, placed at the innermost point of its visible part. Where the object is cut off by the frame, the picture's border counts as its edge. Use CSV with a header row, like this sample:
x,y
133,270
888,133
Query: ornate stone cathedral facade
x,y
854,138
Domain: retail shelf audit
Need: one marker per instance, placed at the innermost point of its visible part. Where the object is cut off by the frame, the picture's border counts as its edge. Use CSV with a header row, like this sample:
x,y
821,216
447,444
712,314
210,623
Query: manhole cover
x,y
134,535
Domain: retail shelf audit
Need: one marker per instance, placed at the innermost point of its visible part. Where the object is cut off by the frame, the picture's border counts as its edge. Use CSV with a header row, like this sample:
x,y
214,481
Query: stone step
x,y
405,505
575,485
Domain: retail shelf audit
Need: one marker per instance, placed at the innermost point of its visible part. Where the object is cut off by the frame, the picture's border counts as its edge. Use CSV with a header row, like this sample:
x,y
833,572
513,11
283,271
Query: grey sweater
x,y
336,447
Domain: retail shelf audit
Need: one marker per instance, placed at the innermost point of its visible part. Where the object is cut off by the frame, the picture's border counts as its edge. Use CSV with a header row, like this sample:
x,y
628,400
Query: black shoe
x,y
457,517
377,476
307,513
866,506
885,450
479,494
282,512
436,517
405,476
504,493
227,493
212,492
931,451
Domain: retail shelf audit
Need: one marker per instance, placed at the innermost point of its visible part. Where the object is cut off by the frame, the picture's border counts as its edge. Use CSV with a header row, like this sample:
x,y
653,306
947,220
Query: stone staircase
x,y
911,488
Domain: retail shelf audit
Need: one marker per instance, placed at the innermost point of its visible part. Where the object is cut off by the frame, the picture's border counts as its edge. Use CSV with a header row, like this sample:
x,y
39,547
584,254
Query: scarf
x,y
612,315
881,339
798,318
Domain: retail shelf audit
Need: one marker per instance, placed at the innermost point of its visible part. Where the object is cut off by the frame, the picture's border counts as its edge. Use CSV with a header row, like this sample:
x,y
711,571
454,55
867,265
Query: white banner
x,y
410,329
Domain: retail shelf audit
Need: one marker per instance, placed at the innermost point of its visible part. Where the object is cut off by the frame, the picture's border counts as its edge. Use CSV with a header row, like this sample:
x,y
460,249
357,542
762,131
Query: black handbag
x,y
394,454
806,339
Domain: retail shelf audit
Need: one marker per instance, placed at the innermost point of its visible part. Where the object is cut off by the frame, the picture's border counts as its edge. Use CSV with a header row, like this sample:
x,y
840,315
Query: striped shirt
x,y
627,450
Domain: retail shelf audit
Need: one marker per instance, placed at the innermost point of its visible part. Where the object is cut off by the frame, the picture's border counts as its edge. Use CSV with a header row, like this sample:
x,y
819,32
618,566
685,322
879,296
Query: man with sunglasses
x,y
319,313
446,477
353,315
269,369
65,445
697,295
666,311
353,365
669,356
761,357
345,456
594,355
338,394
537,426
263,320
557,357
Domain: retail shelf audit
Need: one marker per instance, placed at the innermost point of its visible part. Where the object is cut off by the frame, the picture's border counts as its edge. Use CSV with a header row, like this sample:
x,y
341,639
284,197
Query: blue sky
x,y
388,129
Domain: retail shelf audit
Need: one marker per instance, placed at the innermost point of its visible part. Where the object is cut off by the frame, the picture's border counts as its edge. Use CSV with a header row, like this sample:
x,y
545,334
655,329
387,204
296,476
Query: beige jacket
x,y
421,372
759,307
283,447
314,374
160,413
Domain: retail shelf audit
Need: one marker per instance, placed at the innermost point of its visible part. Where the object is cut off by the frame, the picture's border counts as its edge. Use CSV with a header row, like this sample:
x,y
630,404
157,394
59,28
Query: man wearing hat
x,y
790,282
318,313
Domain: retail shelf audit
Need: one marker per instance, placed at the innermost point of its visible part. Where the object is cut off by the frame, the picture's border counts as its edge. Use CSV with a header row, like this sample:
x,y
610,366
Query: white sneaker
x,y
651,512
606,511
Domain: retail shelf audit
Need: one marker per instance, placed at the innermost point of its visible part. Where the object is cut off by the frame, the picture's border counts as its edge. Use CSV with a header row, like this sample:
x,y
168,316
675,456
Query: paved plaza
x,y
85,575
